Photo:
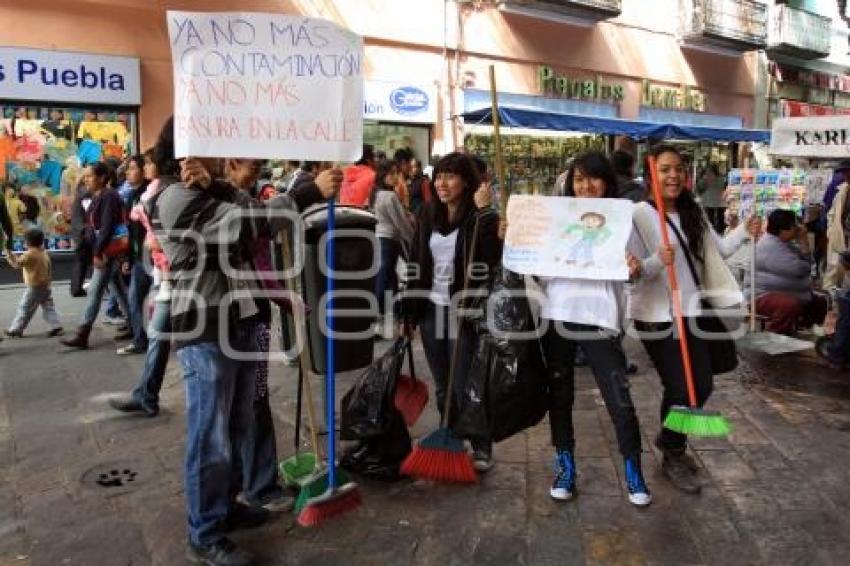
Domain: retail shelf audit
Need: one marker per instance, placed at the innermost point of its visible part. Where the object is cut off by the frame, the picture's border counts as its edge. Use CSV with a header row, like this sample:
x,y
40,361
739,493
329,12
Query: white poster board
x,y
266,86
811,136
578,238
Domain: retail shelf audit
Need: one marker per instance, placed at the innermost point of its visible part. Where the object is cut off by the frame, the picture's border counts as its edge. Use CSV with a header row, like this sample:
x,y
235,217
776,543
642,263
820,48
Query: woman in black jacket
x,y
442,249
104,219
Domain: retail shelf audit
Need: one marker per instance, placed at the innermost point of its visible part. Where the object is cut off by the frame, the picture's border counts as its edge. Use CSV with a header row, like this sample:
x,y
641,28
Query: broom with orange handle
x,y
692,419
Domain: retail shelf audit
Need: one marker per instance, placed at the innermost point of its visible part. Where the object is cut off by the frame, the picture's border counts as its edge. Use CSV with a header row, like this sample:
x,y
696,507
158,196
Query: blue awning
x,y
535,119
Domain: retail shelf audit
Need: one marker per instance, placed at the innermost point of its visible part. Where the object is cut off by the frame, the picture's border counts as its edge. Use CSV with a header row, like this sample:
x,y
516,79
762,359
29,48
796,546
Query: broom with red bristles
x,y
441,456
335,500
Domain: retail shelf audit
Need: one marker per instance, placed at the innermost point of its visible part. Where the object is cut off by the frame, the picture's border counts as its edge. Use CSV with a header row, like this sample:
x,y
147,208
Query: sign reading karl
x,y
579,238
821,136
266,85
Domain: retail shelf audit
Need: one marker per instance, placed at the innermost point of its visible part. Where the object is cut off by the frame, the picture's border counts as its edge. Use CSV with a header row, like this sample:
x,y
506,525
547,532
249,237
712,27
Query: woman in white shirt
x,y
588,313
649,298
442,250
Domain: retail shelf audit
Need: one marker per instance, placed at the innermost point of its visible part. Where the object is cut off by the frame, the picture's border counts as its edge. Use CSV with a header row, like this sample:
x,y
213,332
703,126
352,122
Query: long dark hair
x,y
455,163
383,168
163,151
691,216
595,165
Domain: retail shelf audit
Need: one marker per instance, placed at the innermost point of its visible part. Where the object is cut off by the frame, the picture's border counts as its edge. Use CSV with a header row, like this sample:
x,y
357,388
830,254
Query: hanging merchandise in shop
x,y
672,98
549,83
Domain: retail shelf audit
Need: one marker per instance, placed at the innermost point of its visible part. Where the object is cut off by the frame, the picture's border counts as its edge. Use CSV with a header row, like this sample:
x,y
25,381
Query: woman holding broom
x,y
694,241
588,313
456,242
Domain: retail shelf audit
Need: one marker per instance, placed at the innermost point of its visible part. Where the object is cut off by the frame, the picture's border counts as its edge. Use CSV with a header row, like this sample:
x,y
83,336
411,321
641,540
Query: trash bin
x,y
355,271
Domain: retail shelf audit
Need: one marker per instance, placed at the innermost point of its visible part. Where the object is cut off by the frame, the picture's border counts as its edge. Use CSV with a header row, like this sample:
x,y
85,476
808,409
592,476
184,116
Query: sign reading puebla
x,y
399,102
35,74
409,100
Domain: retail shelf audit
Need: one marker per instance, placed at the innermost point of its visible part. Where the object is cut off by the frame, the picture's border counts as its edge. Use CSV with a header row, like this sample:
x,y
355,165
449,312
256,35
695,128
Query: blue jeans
x,y
107,275
219,397
387,279
156,359
140,286
839,350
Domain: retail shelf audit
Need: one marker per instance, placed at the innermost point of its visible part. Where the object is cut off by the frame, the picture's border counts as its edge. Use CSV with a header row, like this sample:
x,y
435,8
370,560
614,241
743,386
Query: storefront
x,y
582,111
60,111
797,92
399,115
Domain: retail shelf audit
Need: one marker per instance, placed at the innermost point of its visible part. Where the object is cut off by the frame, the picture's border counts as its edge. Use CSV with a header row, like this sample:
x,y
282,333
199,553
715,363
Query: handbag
x,y
119,245
722,351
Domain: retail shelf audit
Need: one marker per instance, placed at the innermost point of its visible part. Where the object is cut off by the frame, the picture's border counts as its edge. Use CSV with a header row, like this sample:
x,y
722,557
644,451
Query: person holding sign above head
x,y
456,243
209,223
697,254
588,313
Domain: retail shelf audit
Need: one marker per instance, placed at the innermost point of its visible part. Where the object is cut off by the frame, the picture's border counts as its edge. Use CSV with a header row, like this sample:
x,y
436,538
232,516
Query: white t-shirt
x,y
443,252
582,301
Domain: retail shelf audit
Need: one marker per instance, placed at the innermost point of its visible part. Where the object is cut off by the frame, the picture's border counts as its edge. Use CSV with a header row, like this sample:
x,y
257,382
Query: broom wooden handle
x,y
299,322
675,299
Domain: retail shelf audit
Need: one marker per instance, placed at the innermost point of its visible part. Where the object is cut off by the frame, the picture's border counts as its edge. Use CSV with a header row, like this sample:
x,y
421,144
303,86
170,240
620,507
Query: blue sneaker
x,y
565,482
638,492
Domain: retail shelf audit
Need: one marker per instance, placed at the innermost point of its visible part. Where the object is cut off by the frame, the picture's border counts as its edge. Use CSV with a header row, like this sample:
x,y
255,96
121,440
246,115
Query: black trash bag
x,y
506,388
367,407
380,457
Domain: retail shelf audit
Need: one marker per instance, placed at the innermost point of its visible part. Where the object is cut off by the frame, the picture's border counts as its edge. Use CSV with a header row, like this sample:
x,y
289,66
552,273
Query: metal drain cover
x,y
116,477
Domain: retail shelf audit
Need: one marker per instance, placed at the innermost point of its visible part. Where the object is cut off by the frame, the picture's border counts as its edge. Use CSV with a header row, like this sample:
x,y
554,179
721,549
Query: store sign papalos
x,y
266,86
826,136
37,74
399,102
595,89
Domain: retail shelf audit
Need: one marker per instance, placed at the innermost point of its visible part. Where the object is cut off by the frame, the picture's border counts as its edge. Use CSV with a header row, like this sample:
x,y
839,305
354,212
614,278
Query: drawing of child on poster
x,y
591,233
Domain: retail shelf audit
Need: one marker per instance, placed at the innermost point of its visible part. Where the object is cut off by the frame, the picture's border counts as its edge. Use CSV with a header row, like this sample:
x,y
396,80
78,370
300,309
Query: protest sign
x,y
577,238
265,86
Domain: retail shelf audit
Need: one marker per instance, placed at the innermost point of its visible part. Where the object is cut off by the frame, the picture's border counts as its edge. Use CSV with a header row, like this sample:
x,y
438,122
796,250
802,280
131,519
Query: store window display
x,y
42,151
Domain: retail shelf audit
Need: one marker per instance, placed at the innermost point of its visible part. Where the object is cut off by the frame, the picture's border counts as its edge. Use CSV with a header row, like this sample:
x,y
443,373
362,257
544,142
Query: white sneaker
x,y
114,320
640,499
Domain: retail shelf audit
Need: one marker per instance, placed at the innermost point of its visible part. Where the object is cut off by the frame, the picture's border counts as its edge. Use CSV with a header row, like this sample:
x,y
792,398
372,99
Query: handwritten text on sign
x,y
266,85
576,238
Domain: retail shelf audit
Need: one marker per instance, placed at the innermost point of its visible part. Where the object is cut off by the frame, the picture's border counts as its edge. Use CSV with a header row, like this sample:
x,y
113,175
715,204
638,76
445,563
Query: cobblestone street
x,y
777,491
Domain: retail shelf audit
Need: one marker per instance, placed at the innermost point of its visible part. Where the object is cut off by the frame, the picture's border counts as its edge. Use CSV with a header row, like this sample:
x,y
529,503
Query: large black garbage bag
x,y
380,457
506,389
367,408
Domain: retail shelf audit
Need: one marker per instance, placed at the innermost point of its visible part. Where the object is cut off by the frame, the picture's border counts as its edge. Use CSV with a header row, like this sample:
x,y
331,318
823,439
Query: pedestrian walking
x,y
35,264
394,231
105,220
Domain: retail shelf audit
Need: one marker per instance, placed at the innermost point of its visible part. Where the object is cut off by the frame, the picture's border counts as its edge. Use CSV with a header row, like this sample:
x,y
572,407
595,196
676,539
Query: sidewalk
x,y
777,491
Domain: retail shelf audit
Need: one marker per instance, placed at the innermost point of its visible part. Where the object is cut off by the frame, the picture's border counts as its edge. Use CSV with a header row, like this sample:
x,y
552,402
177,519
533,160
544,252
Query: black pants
x,y
82,266
608,361
663,349
439,349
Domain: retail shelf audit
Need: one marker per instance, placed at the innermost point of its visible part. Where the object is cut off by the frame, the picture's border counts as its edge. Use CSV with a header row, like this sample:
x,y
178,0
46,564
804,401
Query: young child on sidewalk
x,y
35,264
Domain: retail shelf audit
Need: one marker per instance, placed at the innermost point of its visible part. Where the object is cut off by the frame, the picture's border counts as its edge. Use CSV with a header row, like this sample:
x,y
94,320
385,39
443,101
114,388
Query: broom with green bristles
x,y
691,420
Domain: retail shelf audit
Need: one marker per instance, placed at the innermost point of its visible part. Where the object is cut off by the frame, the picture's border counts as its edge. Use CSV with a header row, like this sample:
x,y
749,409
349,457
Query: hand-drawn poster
x,y
761,191
266,86
577,238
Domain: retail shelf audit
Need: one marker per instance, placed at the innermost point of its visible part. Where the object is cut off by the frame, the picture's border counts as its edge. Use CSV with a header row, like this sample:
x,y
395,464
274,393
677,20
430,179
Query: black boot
x,y
80,340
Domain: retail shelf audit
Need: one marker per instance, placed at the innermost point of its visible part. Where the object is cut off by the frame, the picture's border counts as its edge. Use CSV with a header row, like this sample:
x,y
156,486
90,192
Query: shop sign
x,y
597,89
399,102
672,98
35,74
827,137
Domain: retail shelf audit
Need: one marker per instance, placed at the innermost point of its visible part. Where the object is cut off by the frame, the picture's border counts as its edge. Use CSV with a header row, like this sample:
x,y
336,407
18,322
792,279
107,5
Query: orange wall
x,y
405,41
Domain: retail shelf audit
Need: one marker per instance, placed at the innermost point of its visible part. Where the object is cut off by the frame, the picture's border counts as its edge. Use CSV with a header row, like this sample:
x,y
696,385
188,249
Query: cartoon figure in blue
x,y
591,233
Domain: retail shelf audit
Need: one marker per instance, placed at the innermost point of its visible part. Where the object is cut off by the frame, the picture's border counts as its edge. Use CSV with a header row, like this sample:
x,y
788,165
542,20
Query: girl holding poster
x,y
588,313
693,241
